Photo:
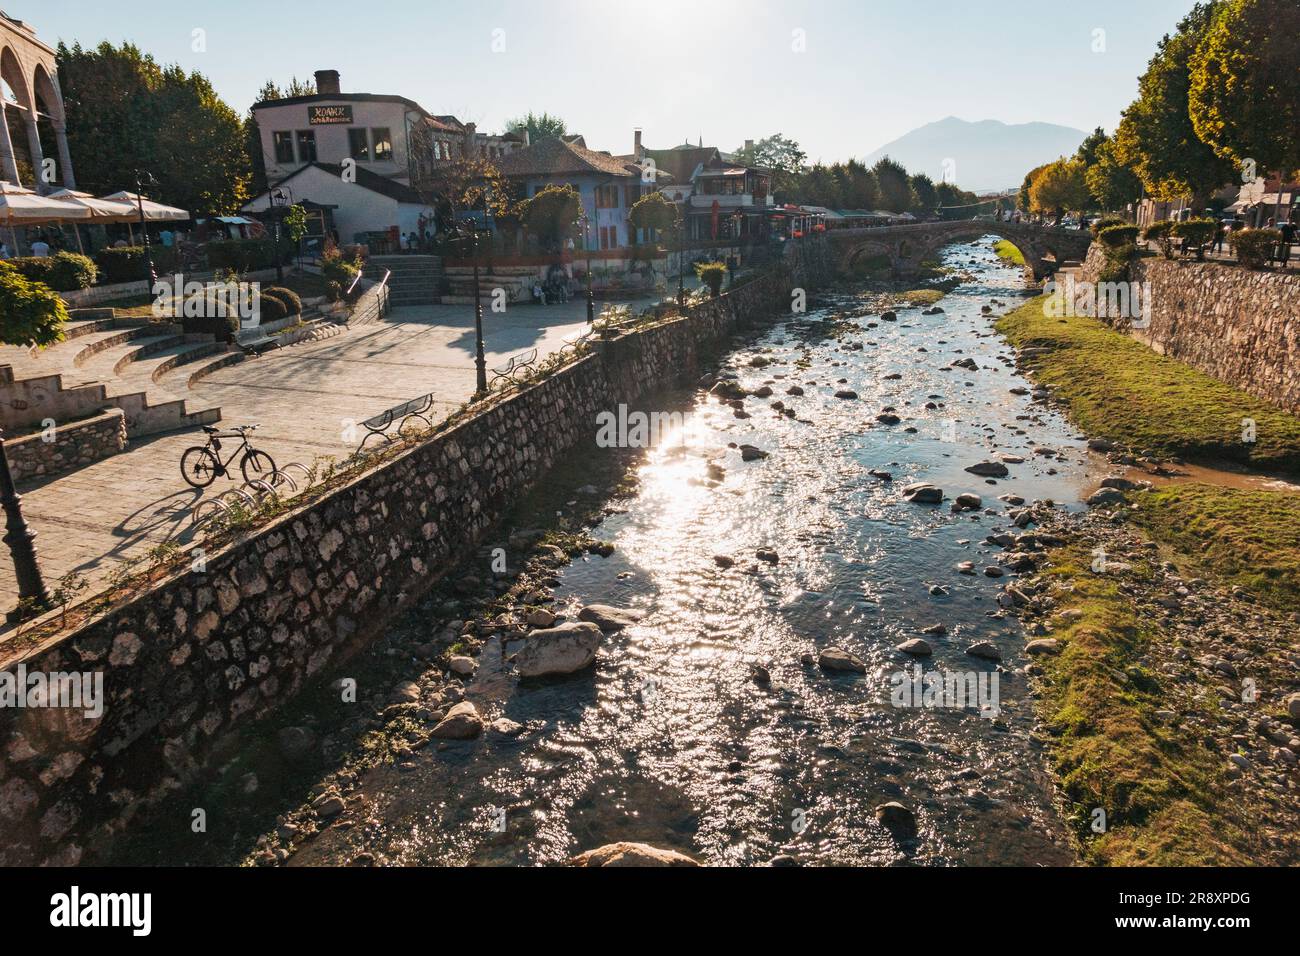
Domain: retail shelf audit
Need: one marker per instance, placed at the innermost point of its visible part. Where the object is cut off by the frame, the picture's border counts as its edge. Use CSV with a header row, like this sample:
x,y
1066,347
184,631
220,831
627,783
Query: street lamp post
x,y
142,177
480,360
32,595
278,201
681,256
586,252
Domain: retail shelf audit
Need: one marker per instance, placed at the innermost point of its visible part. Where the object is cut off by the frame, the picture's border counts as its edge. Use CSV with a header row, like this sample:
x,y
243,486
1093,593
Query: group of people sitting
x,y
555,289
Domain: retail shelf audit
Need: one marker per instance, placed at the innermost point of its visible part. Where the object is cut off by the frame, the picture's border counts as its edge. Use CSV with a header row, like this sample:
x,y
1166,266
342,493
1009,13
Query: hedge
x,y
1098,225
246,255
292,303
30,313
1253,246
124,264
1119,235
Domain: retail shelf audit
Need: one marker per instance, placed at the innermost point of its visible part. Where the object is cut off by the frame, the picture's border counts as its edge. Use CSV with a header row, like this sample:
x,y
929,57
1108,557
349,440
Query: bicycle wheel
x,y
257,464
199,467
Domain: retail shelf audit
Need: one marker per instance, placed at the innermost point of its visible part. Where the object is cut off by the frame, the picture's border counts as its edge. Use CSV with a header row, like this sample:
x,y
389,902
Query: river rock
x,y
923,493
916,647
985,649
631,854
838,659
565,649
968,502
1293,705
751,453
329,804
609,619
1105,496
888,418
406,692
539,617
724,560
1046,645
846,393
989,469
296,743
462,665
461,723
897,819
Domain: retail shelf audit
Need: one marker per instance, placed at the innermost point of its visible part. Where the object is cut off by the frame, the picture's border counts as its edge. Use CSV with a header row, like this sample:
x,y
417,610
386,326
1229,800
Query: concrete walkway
x,y
307,400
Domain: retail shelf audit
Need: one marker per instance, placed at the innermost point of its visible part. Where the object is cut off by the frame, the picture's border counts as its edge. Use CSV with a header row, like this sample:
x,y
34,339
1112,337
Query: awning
x,y
153,211
100,210
22,207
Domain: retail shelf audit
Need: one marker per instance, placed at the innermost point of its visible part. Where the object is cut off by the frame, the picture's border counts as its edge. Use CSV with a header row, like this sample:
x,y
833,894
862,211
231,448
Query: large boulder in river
x,y
923,493
461,723
609,619
989,469
565,649
838,659
631,854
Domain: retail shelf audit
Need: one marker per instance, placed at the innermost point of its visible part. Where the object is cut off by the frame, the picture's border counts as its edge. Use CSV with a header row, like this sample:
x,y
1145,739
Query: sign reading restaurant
x,y
327,115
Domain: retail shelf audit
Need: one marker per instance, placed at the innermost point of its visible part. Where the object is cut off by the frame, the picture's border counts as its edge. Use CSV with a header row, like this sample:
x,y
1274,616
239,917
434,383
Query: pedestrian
x,y
1220,233
1288,236
40,248
5,251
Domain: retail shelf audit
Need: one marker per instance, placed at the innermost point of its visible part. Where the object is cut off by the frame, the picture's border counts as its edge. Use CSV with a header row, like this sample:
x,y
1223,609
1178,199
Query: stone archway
x,y
16,150
51,125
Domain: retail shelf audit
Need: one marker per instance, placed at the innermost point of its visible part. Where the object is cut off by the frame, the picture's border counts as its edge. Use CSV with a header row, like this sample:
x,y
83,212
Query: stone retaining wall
x,y
71,446
203,652
1238,325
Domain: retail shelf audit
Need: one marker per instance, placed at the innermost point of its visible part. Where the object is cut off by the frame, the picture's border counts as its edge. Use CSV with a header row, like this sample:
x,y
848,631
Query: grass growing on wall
x,y
1008,253
1117,388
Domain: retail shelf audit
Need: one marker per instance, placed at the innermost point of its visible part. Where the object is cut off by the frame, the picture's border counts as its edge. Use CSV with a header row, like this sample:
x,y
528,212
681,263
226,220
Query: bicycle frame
x,y
215,447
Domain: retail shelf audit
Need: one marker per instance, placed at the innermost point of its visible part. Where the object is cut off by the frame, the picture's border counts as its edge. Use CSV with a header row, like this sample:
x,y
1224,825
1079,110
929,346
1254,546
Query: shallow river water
x,y
669,740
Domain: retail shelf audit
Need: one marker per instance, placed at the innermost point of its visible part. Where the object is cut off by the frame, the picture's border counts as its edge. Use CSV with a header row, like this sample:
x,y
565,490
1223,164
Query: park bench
x,y
514,369
575,340
378,425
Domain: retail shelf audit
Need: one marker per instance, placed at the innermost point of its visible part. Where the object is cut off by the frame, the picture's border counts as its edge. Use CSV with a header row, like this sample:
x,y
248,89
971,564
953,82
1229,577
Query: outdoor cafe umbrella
x,y
23,207
147,209
101,210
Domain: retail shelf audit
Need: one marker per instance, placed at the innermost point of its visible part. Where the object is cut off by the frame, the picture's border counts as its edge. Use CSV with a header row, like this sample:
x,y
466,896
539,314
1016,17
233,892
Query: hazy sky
x,y
840,76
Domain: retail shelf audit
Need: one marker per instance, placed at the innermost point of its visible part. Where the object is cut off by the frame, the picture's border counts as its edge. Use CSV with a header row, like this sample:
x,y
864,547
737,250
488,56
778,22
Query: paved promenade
x,y
303,397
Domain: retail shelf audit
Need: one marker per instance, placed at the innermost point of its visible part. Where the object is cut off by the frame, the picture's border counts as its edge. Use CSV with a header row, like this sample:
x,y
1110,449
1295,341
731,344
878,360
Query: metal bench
x,y
263,343
576,340
378,425
514,369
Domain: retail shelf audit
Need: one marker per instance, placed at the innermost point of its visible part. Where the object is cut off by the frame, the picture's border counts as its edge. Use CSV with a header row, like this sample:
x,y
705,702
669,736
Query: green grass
x,y
1119,389
1164,795
917,297
1247,538
1007,252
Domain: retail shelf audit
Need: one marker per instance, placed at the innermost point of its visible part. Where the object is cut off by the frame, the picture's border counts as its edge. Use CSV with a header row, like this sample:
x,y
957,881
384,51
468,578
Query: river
x,y
670,740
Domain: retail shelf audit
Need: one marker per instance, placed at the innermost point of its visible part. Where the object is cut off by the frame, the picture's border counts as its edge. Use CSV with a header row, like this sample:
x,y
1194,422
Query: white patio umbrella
x,y
22,207
101,210
152,211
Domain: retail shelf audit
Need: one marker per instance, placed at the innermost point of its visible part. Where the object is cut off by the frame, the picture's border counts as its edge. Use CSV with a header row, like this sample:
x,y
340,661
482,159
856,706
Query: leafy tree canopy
x,y
552,215
540,126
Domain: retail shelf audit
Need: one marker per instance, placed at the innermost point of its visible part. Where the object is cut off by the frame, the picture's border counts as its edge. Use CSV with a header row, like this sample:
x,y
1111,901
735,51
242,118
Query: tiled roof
x,y
554,157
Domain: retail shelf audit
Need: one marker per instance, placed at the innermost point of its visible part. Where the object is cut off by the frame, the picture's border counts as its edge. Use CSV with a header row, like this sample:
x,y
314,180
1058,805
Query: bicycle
x,y
201,464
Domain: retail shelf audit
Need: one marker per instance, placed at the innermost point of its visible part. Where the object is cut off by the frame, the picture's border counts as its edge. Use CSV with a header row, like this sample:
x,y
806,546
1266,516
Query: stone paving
x,y
304,398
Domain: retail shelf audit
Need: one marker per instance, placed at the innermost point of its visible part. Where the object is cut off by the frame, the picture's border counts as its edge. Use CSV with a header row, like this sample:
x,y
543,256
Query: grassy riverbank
x,y
1119,389
1008,253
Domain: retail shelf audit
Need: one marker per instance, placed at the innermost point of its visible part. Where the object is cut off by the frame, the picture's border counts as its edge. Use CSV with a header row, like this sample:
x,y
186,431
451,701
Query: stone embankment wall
x,y
1238,325
205,651
74,445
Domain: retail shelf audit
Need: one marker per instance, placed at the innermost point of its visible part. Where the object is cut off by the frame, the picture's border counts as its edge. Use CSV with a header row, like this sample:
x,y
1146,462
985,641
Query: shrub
x,y
70,271
1118,236
246,255
30,313
33,268
290,298
1253,246
335,268
121,265
712,275
1196,234
272,309
269,295
333,291
1098,225
1162,234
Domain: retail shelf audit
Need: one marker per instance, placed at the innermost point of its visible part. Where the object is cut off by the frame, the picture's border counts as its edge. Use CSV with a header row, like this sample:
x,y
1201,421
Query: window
x,y
383,140
630,195
306,146
359,145
283,147
606,197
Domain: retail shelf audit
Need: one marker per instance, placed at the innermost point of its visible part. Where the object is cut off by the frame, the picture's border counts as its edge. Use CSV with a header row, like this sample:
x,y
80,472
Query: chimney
x,y
749,145
638,150
471,139
327,81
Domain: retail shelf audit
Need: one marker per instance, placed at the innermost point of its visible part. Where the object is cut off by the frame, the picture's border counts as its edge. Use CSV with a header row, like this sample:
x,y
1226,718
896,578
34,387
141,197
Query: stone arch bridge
x,y
1045,248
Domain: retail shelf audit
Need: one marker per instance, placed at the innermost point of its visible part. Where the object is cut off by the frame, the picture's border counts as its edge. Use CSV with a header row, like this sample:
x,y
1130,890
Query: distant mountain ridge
x,y
981,156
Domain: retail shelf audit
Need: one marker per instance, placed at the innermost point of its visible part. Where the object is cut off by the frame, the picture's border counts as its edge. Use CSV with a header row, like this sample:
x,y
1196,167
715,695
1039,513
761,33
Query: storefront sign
x,y
330,115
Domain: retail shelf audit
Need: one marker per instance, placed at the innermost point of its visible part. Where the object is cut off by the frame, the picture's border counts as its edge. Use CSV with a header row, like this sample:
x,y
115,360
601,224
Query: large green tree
x,y
783,156
1112,184
894,184
552,216
1156,138
926,197
1059,188
540,126
1244,98
125,112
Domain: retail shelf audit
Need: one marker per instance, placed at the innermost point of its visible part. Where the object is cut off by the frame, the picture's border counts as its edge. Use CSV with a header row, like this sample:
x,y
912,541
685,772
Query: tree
x,y
1111,184
782,156
1059,188
1089,147
1156,138
894,185
926,196
1024,201
460,185
552,216
540,126
860,188
653,211
1244,97
125,112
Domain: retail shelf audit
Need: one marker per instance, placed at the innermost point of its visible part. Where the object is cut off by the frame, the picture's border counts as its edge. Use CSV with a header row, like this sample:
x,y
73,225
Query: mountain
x,y
983,156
